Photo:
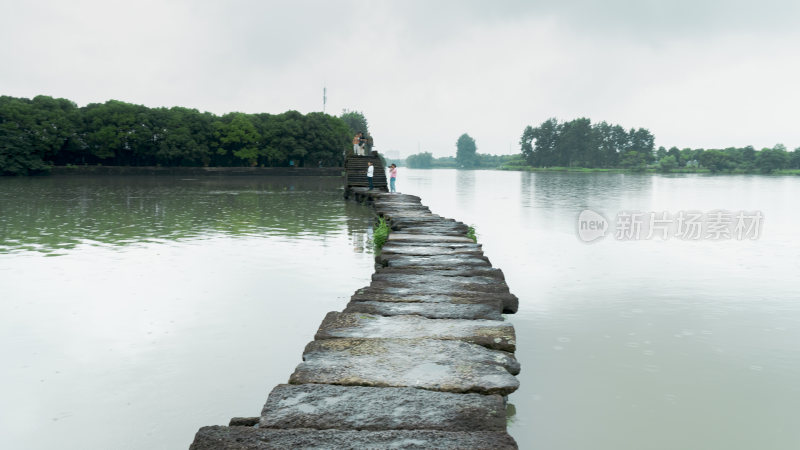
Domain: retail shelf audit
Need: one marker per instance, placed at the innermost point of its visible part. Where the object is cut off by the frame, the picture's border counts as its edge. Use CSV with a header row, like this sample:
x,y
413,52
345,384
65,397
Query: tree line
x,y
44,131
467,157
579,143
729,160
425,160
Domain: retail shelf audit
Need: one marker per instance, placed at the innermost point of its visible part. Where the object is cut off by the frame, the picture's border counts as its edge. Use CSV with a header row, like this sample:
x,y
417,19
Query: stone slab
x,y
447,271
475,282
443,287
426,238
445,245
326,406
418,250
443,230
492,299
395,215
415,217
408,208
244,421
430,310
381,205
425,220
242,438
381,291
446,366
453,260
395,197
494,334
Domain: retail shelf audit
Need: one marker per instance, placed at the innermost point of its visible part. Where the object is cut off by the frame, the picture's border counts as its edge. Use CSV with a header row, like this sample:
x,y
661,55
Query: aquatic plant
x,y
380,234
471,233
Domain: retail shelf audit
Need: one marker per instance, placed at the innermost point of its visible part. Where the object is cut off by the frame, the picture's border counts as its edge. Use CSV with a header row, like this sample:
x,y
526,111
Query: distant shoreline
x,y
699,170
622,170
195,171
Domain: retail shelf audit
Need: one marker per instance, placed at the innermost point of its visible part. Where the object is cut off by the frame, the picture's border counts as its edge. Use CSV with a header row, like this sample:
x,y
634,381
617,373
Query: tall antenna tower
x,y
324,98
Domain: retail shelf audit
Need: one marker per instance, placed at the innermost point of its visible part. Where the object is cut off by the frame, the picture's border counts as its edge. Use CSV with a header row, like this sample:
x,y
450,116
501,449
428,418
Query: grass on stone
x,y
471,234
380,234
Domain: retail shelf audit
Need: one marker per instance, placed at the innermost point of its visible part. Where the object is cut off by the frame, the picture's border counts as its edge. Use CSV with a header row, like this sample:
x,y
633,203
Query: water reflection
x,y
465,188
629,341
57,213
172,303
567,190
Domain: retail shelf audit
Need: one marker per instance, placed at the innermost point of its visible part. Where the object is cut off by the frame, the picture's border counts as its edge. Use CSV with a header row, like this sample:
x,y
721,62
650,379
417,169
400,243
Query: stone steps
x,y
356,172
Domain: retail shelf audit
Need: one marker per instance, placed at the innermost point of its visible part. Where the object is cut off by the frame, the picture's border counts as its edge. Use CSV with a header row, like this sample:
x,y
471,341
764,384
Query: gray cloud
x,y
701,73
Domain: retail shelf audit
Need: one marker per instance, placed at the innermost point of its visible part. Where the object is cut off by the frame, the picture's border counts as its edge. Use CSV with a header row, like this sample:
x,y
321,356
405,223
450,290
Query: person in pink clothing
x,y
392,177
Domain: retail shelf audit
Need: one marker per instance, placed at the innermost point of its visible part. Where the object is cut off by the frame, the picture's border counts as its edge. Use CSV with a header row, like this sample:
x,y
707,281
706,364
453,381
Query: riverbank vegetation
x,y
426,160
580,146
38,133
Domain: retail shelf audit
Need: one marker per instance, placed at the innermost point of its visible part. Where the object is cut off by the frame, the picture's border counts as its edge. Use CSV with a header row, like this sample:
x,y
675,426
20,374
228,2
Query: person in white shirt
x,y
370,173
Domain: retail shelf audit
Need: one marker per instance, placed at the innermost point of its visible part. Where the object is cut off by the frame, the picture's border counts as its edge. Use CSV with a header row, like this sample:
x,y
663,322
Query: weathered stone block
x,y
325,406
437,261
426,238
446,366
447,271
494,334
430,310
242,438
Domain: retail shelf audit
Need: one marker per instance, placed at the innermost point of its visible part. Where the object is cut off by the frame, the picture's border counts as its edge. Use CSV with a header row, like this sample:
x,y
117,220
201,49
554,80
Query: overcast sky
x,y
696,73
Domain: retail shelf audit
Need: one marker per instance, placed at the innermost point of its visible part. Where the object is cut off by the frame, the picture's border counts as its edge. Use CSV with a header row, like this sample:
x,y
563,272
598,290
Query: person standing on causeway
x,y
370,173
392,177
357,144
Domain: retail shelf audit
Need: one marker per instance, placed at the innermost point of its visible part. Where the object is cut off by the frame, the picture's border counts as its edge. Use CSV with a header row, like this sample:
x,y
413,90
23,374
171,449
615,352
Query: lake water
x,y
136,310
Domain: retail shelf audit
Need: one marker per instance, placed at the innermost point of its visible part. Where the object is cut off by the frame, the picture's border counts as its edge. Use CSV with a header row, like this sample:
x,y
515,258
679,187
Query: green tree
x,y
611,142
576,145
687,156
674,152
748,155
715,161
327,138
794,159
357,123
526,146
420,161
642,141
466,151
34,132
236,140
185,138
634,160
579,143
769,160
539,144
667,163
118,132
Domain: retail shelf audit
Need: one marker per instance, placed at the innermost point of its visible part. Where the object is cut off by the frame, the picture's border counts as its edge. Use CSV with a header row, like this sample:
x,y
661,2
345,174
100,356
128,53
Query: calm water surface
x,y
136,310
641,344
